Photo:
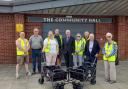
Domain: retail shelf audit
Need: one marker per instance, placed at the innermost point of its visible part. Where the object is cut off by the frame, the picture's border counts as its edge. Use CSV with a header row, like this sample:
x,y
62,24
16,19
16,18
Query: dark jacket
x,y
68,46
59,41
95,50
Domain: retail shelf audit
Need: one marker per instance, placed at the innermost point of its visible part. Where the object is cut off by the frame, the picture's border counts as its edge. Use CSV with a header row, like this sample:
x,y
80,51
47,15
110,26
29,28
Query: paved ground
x,y
8,81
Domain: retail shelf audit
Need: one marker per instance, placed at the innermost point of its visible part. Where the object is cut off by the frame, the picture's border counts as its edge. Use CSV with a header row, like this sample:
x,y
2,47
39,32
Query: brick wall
x,y
122,25
7,39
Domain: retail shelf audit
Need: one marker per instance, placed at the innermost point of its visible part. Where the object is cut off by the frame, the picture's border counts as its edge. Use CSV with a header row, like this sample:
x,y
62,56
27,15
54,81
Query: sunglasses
x,y
78,36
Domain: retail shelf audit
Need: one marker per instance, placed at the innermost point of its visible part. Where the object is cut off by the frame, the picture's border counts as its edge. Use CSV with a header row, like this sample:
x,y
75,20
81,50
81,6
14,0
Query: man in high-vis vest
x,y
22,47
79,49
109,56
85,38
58,37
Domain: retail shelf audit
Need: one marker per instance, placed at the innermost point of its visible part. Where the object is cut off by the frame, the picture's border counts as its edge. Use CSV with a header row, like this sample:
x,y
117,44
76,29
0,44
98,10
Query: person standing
x,y
51,49
68,48
79,48
36,43
85,37
59,40
109,56
22,47
91,52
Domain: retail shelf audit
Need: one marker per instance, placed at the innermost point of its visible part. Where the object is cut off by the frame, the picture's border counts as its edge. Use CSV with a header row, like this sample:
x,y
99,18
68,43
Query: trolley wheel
x,y
41,80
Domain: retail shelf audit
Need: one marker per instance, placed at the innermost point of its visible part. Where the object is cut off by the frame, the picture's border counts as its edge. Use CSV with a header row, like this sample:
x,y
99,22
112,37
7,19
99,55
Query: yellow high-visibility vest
x,y
23,43
84,41
48,47
61,39
79,47
108,50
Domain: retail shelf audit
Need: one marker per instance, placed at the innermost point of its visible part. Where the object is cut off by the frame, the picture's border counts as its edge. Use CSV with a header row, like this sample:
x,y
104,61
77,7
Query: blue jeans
x,y
78,60
36,59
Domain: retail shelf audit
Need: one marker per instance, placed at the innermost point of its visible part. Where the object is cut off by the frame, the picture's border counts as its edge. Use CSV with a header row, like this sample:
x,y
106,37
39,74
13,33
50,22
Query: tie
x,y
67,39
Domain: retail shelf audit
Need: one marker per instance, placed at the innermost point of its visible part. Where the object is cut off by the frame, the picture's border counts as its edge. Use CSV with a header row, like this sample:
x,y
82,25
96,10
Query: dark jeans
x,y
68,59
36,59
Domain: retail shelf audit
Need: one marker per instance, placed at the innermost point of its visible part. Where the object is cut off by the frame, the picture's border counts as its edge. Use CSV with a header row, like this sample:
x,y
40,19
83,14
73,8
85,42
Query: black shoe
x,y
107,80
39,72
33,73
111,82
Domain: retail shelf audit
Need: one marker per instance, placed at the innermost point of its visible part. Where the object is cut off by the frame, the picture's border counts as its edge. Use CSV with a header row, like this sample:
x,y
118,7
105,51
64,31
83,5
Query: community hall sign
x,y
69,20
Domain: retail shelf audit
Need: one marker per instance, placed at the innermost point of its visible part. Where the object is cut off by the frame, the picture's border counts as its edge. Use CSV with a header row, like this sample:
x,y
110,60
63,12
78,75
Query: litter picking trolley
x,y
84,73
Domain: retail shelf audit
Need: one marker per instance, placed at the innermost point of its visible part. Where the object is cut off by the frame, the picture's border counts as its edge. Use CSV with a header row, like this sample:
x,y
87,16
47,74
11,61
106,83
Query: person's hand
x,y
84,56
106,55
76,52
57,53
25,50
42,51
73,53
96,55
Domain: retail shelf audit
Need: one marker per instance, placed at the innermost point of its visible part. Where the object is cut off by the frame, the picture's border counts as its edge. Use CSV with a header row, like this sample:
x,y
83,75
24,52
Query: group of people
x,y
76,50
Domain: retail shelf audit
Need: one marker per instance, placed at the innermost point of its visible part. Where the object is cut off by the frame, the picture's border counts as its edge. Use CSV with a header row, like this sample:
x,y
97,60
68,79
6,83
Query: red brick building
x,y
8,34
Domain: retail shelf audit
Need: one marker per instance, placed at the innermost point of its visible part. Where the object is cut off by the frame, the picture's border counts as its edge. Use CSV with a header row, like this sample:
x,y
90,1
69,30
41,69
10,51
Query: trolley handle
x,y
94,62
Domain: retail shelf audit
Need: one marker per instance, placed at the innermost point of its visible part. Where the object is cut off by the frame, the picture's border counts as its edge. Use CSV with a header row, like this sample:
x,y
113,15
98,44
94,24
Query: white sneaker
x,y
17,76
28,74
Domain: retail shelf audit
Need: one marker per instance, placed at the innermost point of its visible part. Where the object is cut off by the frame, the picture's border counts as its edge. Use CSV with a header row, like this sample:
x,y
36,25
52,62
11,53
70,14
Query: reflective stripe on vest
x,y
23,44
79,47
108,50
61,39
47,49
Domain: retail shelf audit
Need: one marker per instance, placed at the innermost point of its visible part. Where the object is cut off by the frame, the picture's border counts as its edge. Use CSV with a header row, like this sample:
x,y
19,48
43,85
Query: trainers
x,y
17,76
33,73
28,74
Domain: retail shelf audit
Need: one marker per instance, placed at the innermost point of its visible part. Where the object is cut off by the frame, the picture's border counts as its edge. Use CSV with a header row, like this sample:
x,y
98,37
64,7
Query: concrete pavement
x,y
8,81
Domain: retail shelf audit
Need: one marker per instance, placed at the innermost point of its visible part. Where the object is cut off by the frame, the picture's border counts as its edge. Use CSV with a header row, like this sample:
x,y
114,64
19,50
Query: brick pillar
x,y
19,19
122,34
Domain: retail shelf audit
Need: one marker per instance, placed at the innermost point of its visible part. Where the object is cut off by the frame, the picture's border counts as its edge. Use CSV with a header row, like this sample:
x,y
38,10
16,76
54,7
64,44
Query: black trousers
x,y
68,59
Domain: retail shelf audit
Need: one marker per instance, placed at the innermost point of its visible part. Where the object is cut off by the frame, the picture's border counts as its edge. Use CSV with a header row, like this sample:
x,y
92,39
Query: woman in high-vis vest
x,y
51,49
85,38
22,47
109,56
79,49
